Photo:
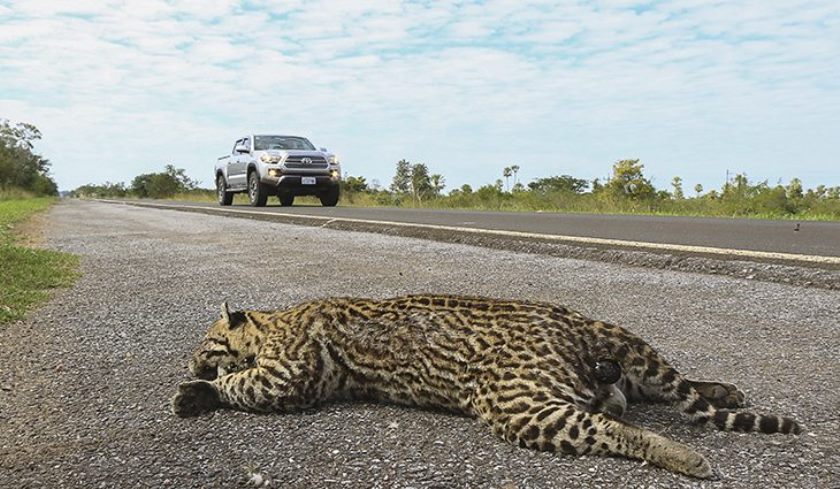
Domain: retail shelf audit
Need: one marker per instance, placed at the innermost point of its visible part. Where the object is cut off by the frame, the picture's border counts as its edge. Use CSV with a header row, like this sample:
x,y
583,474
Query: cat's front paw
x,y
195,398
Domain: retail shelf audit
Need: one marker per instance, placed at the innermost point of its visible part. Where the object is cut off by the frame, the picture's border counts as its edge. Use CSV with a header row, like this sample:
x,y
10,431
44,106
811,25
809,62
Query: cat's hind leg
x,y
535,420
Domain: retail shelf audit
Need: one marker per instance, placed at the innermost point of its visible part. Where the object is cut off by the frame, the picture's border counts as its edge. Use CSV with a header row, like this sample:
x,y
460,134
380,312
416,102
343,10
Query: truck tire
x,y
330,197
286,198
257,194
225,197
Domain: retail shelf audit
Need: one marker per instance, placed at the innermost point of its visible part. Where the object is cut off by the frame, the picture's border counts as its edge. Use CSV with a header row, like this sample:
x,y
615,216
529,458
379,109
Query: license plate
x,y
307,180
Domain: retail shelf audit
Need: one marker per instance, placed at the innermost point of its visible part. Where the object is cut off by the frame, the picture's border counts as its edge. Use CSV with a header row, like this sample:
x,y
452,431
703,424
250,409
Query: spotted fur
x,y
541,376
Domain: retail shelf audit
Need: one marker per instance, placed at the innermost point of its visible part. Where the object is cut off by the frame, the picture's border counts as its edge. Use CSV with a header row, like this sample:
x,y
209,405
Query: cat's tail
x,y
698,408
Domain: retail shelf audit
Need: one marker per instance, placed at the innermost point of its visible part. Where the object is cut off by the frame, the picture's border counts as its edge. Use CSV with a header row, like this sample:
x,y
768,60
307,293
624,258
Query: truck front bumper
x,y
295,185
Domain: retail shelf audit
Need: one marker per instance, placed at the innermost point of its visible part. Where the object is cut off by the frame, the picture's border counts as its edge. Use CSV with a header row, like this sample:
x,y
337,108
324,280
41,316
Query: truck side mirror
x,y
241,149
323,150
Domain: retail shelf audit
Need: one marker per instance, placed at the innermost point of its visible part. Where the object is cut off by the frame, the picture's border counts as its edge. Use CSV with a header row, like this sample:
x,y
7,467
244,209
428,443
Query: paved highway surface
x,y
812,238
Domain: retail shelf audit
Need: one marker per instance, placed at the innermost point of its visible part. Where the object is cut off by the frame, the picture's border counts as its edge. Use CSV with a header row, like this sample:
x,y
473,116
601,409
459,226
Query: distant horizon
x,y
692,89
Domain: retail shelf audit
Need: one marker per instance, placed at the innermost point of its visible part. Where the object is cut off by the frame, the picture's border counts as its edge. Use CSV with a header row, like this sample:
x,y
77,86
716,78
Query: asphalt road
x,y
812,238
85,381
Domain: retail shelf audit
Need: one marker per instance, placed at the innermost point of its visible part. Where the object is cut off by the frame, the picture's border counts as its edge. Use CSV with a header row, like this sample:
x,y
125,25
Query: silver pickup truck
x,y
285,166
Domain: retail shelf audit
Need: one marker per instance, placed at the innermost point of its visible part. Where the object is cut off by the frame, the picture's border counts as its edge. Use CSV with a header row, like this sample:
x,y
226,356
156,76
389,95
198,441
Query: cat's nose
x,y
203,372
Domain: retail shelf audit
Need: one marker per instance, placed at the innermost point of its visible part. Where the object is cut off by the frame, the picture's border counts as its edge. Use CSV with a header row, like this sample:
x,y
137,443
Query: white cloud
x,y
466,87
470,29
43,8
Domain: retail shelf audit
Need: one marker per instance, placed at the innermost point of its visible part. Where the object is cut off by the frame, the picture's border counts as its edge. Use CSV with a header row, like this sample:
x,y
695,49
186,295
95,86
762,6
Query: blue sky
x,y
692,88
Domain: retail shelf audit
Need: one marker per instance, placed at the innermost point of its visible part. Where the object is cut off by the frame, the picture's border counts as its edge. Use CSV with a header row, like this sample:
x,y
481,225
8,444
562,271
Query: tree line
x,y
626,190
20,166
160,185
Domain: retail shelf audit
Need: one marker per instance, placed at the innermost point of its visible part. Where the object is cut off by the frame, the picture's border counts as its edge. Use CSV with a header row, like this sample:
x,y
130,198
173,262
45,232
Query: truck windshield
x,y
263,143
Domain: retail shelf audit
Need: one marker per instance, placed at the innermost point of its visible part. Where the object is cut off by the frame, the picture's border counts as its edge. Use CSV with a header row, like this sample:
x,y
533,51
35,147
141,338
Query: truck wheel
x,y
257,194
225,197
286,198
330,197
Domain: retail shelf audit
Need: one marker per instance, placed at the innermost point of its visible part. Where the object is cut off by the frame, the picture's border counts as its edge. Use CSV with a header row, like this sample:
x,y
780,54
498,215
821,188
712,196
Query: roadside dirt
x,y
30,232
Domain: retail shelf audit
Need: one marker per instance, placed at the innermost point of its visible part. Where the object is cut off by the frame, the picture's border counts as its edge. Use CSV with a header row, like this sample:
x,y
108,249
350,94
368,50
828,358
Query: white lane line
x,y
766,255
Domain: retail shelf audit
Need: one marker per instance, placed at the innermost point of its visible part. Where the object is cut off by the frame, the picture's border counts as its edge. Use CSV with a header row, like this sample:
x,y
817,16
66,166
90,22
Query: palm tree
x,y
515,170
438,183
507,172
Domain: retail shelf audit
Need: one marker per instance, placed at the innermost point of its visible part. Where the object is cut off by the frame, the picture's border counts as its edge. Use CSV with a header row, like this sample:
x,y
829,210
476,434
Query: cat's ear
x,y
225,312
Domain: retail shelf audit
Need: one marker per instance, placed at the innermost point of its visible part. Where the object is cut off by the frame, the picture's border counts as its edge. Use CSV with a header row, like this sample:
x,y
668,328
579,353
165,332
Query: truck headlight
x,y
333,159
267,158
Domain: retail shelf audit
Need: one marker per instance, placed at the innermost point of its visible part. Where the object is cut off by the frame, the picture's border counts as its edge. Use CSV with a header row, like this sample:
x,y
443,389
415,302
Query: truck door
x,y
238,164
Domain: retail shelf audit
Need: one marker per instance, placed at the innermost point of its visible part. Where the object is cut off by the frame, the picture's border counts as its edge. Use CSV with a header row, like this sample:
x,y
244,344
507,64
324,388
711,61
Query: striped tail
x,y
699,409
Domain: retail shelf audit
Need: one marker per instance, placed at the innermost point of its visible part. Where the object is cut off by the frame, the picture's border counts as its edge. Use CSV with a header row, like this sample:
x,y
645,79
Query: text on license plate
x,y
307,180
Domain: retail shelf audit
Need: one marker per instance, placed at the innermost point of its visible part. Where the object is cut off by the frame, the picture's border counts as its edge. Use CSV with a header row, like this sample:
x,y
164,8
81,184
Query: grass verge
x,y
27,274
828,210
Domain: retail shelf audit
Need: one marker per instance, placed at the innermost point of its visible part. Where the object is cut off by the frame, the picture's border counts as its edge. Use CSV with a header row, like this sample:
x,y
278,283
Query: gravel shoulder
x,y
821,274
86,380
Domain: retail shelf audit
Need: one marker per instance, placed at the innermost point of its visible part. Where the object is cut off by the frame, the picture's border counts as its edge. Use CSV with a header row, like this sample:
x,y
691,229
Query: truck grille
x,y
317,163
